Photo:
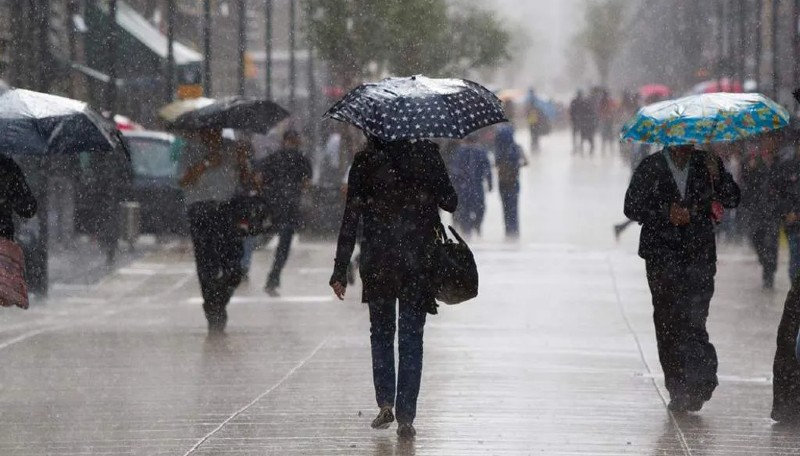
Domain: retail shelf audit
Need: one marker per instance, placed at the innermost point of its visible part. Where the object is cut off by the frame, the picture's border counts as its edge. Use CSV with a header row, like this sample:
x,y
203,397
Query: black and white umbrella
x,y
255,115
43,124
419,107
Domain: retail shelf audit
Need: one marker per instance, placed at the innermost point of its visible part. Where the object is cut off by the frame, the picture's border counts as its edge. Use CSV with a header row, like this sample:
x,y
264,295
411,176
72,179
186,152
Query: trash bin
x,y
130,221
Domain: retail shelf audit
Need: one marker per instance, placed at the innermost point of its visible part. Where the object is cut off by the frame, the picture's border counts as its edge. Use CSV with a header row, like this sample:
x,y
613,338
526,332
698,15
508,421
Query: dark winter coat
x,y
285,174
761,194
789,192
653,190
785,367
15,196
395,190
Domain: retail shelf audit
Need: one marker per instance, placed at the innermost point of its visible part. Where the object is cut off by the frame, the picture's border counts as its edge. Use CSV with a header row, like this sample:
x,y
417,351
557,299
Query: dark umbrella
x,y
256,115
419,107
43,124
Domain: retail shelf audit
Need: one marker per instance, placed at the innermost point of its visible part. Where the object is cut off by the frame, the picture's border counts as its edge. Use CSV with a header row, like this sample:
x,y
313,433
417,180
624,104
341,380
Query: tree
x,y
363,38
604,34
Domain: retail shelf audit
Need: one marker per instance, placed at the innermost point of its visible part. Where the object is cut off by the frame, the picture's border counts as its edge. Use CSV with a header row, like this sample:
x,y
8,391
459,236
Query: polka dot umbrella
x,y
419,107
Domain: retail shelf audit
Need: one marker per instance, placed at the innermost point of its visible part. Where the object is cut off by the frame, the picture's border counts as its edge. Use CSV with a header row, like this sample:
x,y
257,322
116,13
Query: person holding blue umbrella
x,y
677,195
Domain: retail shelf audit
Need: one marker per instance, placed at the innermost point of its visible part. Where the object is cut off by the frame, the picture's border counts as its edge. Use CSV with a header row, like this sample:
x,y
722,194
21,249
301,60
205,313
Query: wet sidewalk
x,y
556,357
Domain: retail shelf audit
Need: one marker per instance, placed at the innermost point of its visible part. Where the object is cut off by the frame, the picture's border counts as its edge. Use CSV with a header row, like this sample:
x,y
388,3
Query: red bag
x,y
13,289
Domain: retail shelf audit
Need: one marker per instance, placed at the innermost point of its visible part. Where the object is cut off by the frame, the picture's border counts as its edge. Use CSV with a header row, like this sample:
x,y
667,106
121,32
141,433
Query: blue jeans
x,y
400,391
794,255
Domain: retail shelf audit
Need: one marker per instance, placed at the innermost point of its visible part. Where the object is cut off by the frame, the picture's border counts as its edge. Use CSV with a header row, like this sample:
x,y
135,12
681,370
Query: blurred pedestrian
x,y
470,169
575,107
211,176
16,196
606,114
586,121
674,195
286,174
396,190
508,158
537,121
761,201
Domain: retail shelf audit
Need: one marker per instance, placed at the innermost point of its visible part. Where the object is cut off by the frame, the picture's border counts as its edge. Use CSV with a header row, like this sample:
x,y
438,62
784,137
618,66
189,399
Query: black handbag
x,y
455,269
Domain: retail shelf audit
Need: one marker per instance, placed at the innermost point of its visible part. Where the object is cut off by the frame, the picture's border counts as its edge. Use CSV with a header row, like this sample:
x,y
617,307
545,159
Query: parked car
x,y
153,184
155,158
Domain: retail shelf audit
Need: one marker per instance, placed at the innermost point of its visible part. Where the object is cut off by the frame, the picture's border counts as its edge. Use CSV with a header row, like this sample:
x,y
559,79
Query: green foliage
x,y
363,38
604,33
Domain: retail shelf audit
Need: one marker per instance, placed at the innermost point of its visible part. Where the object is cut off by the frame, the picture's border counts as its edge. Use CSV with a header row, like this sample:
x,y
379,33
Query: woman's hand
x,y
339,290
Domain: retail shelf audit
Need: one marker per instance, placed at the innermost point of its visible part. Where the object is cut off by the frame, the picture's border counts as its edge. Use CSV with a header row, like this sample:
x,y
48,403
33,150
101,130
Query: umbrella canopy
x,y
418,107
43,124
256,115
175,109
708,118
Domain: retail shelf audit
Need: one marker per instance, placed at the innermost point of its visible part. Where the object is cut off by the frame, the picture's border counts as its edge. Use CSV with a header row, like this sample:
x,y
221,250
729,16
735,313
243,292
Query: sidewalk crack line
x,y
260,396
678,431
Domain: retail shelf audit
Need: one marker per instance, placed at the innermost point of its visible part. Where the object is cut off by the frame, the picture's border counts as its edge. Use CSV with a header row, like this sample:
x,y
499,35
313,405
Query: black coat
x,y
15,196
786,368
395,190
653,190
285,174
789,192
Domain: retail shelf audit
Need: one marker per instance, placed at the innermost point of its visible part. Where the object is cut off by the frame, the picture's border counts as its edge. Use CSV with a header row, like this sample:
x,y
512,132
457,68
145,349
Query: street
x,y
557,355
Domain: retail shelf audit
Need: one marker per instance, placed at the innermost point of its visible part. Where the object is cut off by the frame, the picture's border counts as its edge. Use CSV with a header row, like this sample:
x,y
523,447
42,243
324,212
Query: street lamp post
x,y
292,57
170,50
796,43
111,53
207,48
268,47
758,47
242,44
774,17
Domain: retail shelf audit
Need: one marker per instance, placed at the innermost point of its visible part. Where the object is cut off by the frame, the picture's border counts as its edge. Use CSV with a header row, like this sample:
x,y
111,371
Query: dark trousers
x,y
401,390
509,195
765,241
285,236
794,253
218,251
786,368
469,215
682,291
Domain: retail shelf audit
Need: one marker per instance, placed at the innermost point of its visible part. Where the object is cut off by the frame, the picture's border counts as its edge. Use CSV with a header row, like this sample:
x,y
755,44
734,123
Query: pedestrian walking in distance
x,y
211,176
509,158
675,194
285,173
396,189
470,169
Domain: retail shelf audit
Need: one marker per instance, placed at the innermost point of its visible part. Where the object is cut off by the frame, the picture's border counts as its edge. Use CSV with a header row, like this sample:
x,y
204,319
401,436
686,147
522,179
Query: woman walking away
x,y
16,197
396,189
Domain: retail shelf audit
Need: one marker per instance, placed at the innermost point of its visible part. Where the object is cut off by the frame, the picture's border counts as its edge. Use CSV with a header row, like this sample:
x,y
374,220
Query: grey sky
x,y
550,24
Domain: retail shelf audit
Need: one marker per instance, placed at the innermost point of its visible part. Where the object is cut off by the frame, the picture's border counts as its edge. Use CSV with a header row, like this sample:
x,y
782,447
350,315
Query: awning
x,y
141,29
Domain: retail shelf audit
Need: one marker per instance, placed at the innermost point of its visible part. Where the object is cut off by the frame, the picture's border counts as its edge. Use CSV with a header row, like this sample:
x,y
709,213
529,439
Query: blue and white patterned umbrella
x,y
419,107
